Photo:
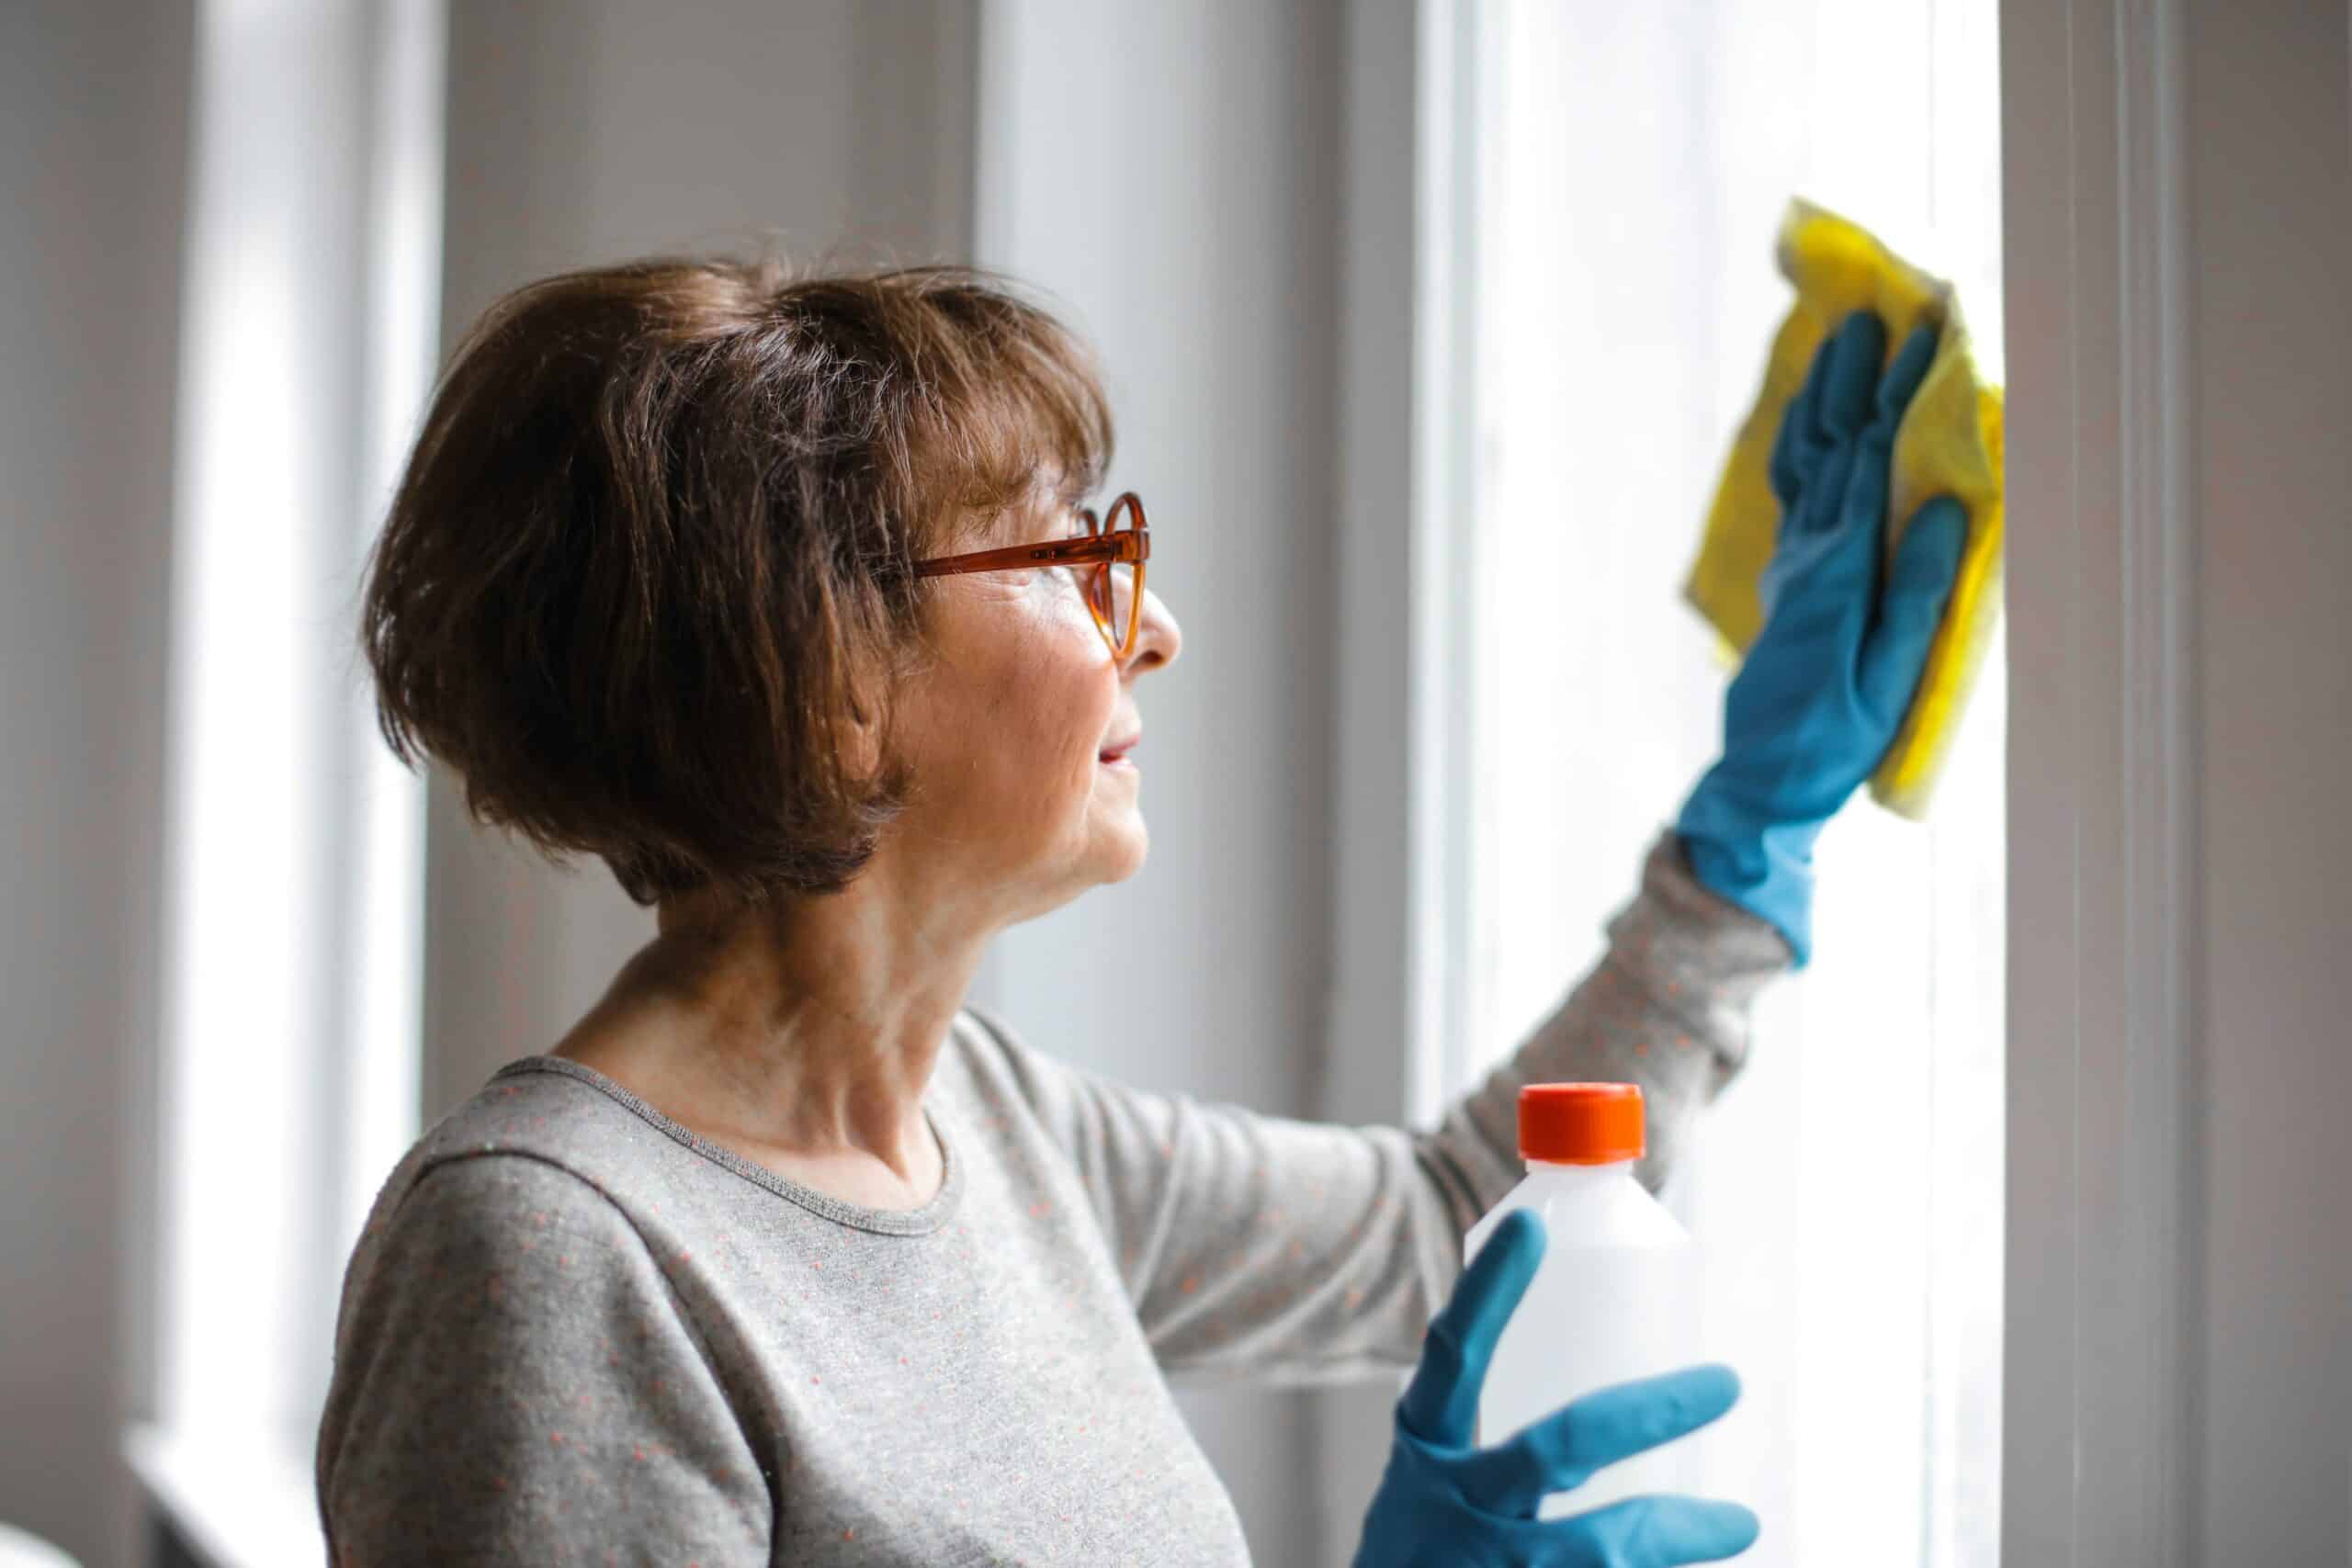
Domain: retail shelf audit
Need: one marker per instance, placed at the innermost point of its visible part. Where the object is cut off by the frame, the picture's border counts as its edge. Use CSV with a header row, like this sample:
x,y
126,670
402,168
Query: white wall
x,y
93,98
2270,231
1384,994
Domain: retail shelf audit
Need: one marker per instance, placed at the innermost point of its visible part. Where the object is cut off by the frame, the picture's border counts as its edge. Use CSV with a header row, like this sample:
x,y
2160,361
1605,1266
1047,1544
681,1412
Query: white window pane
x,y
1632,166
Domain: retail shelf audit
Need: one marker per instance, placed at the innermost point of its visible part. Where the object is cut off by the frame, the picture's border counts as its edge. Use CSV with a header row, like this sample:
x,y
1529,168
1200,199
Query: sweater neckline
x,y
885,1222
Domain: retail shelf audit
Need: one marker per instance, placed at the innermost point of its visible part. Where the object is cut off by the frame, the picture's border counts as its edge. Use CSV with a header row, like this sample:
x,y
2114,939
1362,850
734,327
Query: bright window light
x,y
1631,167
290,1064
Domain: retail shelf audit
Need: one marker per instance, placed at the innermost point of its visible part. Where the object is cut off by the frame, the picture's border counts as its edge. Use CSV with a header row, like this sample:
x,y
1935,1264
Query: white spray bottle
x,y
1615,1296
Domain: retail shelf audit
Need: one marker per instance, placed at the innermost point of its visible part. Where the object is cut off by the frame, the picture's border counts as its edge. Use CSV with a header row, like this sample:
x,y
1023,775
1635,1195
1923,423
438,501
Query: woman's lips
x,y
1115,754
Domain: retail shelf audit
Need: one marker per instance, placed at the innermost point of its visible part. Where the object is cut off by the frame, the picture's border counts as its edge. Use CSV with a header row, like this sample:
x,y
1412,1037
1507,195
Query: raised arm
x,y
1667,1008
1289,1251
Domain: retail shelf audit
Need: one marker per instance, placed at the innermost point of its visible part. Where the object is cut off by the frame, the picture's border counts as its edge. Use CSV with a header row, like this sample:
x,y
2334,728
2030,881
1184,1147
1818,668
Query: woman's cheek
x,y
1064,685
1086,682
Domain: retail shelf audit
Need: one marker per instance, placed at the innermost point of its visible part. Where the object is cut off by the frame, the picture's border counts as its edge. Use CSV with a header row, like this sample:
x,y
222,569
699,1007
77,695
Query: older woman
x,y
777,596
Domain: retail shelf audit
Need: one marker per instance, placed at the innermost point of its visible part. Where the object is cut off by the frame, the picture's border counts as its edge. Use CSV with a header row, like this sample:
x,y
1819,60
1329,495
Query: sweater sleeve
x,y
1292,1252
516,1380
1666,1008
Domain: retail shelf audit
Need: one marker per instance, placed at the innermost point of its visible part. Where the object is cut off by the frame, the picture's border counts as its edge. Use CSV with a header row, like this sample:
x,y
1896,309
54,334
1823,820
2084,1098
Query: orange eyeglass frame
x,y
1103,545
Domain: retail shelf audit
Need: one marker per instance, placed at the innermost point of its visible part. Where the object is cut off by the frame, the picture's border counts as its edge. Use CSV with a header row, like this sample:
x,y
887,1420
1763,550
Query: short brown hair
x,y
651,556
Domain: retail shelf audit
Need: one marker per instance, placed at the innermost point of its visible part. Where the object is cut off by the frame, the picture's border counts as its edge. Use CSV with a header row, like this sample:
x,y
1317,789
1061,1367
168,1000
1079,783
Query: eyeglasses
x,y
1108,559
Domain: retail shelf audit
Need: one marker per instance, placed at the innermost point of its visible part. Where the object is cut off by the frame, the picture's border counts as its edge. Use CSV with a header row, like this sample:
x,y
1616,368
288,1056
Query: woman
x,y
776,595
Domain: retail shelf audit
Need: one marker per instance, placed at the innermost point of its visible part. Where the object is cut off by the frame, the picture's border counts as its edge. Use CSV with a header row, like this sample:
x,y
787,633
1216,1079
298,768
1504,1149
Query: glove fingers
x,y
1904,376
1562,1451
1846,506
1918,586
1794,450
1847,395
1659,1532
1860,524
1441,1404
1839,413
1862,505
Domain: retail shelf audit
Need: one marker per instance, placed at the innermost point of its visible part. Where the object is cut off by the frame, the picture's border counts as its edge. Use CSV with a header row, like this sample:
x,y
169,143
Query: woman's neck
x,y
801,1034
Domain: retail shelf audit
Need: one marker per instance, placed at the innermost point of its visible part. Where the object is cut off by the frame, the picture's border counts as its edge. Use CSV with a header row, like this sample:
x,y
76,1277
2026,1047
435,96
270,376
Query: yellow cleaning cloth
x,y
1949,444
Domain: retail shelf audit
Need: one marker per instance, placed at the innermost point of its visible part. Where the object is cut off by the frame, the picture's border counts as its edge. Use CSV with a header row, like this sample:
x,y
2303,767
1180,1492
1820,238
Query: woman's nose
x,y
1158,640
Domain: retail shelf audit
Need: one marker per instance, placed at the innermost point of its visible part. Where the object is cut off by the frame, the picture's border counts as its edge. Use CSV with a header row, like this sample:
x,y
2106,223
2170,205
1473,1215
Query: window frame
x,y
324,1042
2103,896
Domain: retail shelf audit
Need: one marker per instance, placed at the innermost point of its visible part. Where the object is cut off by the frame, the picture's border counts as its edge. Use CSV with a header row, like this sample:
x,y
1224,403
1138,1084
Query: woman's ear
x,y
866,734
861,737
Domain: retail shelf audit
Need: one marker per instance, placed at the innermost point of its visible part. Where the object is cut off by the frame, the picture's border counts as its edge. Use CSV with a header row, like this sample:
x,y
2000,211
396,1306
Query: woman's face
x,y
1027,788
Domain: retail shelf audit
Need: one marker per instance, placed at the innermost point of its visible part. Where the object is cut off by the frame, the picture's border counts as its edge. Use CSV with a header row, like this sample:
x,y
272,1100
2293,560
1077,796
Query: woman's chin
x,y
1123,846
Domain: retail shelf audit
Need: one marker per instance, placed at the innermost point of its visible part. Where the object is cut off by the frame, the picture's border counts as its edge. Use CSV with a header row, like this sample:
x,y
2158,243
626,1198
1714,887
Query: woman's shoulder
x,y
505,1264
1005,1080
532,1144
993,1059
540,1111
545,1143
546,1136
1023,1095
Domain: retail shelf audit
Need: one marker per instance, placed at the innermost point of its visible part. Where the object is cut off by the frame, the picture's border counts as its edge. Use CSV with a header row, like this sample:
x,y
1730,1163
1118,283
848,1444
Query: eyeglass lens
x,y
1111,586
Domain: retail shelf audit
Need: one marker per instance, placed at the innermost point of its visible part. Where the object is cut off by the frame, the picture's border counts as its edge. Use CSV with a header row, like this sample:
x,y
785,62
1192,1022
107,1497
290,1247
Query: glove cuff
x,y
1765,870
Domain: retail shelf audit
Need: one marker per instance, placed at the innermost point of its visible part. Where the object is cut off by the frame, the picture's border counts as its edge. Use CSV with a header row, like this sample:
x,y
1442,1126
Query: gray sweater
x,y
574,1332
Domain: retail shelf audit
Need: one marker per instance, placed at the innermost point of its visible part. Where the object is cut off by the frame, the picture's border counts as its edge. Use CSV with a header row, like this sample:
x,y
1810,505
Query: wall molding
x,y
2100,1439
1387,1008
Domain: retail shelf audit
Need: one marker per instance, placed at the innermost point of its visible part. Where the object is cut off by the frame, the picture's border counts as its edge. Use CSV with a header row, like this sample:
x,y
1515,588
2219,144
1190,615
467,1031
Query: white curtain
x,y
1632,165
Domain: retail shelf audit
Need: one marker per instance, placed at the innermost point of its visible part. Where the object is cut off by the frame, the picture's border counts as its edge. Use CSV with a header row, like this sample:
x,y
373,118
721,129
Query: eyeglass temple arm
x,y
1095,547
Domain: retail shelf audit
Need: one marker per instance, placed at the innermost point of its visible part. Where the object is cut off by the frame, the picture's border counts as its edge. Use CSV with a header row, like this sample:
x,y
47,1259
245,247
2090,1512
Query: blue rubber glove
x,y
1445,1502
1819,697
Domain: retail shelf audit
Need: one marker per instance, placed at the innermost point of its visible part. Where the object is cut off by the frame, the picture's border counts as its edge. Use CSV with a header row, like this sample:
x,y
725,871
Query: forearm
x,y
1667,1008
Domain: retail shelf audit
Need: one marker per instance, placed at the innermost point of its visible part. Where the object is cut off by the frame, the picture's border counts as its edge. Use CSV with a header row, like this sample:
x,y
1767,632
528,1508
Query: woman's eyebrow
x,y
1032,524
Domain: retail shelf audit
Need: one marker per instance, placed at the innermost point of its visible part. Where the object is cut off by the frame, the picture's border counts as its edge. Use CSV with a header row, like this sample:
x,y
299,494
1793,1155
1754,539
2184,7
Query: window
x,y
293,932
1623,173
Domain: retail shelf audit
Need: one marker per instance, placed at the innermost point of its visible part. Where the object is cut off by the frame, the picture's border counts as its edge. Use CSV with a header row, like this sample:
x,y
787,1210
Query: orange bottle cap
x,y
1581,1123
